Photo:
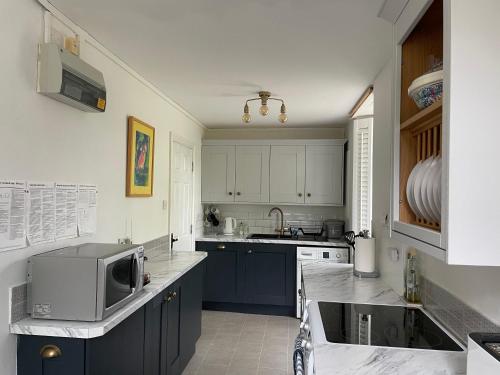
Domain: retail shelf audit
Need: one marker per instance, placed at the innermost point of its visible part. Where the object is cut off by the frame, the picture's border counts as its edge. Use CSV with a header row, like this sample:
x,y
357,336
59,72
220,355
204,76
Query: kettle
x,y
229,225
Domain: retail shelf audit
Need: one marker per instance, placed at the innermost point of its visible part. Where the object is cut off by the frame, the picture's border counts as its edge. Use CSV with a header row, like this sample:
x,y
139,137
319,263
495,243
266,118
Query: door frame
x,y
175,138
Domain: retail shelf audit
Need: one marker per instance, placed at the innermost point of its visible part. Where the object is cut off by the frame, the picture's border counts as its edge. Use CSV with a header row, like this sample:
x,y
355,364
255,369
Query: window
x,y
362,174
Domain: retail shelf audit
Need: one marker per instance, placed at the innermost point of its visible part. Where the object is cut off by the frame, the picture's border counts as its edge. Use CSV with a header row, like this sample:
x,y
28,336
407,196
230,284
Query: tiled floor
x,y
244,344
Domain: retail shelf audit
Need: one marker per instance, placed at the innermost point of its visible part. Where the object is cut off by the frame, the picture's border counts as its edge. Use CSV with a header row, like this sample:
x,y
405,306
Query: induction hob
x,y
381,325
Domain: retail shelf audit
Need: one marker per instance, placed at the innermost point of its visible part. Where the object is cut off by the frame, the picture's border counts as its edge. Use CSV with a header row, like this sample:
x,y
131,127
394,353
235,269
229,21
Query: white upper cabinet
x,y
217,173
252,174
324,175
287,174
273,171
465,36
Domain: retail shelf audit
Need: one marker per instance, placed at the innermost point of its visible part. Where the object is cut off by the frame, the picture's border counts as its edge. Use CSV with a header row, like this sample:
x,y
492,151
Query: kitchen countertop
x,y
165,269
336,283
235,238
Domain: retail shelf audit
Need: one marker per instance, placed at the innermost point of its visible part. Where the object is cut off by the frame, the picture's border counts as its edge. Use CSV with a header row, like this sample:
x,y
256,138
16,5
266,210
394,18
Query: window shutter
x,y
362,206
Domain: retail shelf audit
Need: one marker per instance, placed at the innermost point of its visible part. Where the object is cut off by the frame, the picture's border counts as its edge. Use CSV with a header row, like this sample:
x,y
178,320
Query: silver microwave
x,y
87,282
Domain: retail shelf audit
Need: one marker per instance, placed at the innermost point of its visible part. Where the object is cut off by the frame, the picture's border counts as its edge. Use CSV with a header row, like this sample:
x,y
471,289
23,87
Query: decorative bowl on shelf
x,y
427,89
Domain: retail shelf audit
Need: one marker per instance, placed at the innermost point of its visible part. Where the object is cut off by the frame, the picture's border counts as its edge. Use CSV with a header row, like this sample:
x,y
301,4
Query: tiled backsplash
x,y
455,315
310,218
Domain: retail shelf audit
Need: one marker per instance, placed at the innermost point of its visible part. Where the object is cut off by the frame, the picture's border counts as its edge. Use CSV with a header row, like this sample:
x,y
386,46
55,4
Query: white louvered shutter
x,y
362,205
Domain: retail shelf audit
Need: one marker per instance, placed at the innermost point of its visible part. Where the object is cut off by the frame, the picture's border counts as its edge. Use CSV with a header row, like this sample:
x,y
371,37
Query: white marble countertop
x,y
165,269
336,283
235,238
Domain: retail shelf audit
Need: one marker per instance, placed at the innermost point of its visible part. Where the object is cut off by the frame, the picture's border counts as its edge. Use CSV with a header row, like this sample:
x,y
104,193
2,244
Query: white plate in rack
x,y
436,187
429,181
409,188
417,189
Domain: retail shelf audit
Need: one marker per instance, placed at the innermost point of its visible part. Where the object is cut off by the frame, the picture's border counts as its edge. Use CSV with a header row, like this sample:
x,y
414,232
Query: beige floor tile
x,y
271,371
275,360
212,370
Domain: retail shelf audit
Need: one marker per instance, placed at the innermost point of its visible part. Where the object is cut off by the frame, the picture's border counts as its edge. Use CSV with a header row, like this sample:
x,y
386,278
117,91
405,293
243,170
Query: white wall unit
x,y
218,173
469,193
275,171
252,174
287,174
324,175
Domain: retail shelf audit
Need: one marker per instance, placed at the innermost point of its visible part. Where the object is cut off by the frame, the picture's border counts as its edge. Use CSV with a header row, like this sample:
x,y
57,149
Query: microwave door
x,y
120,282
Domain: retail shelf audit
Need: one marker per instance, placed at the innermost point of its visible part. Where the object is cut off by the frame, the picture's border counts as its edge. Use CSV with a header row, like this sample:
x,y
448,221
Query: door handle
x,y
300,195
249,252
308,194
221,247
173,239
50,351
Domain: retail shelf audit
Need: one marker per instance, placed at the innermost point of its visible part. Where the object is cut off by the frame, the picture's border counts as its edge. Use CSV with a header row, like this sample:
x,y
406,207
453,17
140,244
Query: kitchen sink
x,y
268,236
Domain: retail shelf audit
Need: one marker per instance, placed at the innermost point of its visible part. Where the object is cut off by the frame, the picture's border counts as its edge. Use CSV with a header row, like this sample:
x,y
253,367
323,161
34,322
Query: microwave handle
x,y
134,270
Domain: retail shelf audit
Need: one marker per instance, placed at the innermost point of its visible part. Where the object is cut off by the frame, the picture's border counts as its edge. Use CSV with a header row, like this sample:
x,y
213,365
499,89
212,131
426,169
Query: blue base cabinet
x,y
158,339
249,277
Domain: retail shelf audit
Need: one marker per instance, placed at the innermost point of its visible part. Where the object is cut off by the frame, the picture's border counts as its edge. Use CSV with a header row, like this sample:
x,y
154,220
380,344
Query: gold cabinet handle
x,y
50,351
221,247
174,294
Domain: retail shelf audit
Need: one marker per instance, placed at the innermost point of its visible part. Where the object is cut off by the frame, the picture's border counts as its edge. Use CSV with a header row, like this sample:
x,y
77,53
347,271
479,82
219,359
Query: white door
x,y
287,174
252,174
325,175
217,173
181,196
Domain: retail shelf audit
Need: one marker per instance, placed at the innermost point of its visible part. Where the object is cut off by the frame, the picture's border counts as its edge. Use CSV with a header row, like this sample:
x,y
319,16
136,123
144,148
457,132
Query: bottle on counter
x,y
412,292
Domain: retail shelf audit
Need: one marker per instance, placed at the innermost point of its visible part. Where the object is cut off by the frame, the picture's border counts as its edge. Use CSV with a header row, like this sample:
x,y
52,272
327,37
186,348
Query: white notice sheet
x,y
12,215
66,211
41,224
87,209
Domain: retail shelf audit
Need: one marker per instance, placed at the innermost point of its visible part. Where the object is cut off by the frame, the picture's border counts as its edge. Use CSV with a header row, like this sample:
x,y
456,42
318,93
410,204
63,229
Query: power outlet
x,y
165,204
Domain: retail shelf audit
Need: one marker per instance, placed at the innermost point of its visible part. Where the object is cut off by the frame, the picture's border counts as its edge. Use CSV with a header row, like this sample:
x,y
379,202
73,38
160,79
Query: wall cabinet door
x,y
221,272
287,174
269,272
217,173
324,175
252,174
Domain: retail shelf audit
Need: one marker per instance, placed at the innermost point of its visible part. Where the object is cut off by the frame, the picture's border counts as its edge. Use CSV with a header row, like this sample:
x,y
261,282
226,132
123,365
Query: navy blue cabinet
x,y
249,277
158,339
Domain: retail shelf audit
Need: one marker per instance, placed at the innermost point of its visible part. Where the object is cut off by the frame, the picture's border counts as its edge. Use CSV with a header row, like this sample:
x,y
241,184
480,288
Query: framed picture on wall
x,y
140,158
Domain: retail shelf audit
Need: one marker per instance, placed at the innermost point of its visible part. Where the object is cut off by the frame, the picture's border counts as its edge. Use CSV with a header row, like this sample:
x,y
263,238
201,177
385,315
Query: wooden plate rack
x,y
420,134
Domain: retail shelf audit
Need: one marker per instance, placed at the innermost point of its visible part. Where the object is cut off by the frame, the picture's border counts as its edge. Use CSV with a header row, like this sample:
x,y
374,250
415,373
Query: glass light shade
x,y
264,110
283,118
246,118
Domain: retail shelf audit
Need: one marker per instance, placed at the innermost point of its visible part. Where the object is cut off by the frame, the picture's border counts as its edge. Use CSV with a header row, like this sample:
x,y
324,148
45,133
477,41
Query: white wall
x,y
476,286
45,140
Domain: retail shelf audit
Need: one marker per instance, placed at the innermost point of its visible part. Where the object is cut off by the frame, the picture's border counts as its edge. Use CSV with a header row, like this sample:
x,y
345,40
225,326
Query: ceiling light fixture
x,y
264,96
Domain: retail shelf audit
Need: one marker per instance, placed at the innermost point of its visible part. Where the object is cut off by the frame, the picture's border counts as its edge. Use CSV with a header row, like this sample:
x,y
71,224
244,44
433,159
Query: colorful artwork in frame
x,y
140,158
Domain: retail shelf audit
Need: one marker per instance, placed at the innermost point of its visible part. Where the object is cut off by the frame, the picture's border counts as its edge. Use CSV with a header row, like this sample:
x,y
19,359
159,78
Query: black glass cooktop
x,y
380,325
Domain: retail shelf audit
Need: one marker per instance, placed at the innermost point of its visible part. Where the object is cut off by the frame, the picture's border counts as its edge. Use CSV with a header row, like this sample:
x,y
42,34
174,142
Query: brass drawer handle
x,y
300,194
50,351
221,247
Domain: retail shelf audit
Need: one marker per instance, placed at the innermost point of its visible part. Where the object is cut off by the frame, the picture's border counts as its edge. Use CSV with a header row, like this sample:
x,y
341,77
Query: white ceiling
x,y
211,55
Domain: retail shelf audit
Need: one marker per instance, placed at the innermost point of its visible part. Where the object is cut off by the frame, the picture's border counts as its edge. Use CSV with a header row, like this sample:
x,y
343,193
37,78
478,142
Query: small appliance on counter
x,y
334,229
212,220
411,281
229,225
363,249
483,354
86,282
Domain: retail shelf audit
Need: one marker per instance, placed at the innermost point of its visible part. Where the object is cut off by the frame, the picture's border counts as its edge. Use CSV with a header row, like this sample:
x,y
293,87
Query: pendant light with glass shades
x,y
264,96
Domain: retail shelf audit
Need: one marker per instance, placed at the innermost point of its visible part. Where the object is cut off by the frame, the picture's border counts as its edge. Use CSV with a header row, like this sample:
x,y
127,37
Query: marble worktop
x,y
336,283
236,238
164,268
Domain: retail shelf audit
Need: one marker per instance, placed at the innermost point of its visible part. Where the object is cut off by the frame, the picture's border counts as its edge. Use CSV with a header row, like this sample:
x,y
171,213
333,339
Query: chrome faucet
x,y
282,229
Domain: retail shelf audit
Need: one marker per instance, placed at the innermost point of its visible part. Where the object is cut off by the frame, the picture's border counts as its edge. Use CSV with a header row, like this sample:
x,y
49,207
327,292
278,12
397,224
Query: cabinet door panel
x,y
221,282
153,336
171,315
324,175
252,174
217,173
269,274
119,351
287,174
29,361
